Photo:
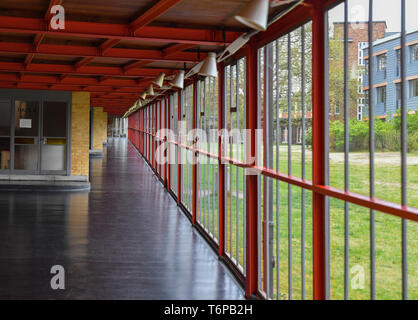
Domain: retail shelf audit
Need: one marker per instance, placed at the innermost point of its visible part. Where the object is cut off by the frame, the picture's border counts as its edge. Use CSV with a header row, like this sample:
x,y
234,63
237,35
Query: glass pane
x,y
5,118
26,118
26,157
55,119
54,155
4,153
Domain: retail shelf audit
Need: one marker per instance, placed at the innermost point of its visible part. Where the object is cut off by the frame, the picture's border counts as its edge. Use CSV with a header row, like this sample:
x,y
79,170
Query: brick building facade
x,y
357,41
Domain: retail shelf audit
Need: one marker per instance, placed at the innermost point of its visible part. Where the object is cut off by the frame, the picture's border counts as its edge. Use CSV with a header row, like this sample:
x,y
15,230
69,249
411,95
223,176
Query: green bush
x,y
387,134
413,142
359,135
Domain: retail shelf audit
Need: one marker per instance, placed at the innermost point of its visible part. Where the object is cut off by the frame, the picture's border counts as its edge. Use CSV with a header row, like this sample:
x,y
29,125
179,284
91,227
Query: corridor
x,y
125,239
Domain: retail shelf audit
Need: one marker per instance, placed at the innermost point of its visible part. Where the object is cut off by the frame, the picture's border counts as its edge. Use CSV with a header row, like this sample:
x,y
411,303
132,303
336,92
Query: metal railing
x,y
298,228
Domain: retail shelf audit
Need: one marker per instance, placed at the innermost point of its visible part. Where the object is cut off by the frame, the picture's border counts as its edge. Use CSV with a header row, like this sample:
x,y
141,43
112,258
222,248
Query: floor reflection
x,y
125,239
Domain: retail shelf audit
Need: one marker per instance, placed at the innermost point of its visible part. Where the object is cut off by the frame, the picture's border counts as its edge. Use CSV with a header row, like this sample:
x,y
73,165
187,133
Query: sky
x,y
388,10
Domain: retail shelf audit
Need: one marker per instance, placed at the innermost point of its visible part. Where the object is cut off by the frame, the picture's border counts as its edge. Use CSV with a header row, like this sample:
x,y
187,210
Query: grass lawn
x,y
388,228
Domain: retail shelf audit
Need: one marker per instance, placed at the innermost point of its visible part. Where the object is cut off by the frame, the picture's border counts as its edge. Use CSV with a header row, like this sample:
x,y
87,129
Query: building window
x,y
398,62
381,62
361,46
337,109
381,96
299,135
413,88
366,67
398,95
284,135
359,113
414,52
360,105
360,74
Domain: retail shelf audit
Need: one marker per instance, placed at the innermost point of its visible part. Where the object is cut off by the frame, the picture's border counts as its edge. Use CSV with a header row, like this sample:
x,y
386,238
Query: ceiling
x,y
110,48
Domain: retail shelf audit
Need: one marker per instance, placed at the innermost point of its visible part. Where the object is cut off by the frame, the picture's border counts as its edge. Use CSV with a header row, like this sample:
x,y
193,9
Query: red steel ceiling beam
x,y
112,111
108,44
121,95
119,104
86,70
38,38
135,65
145,18
115,103
153,13
87,81
93,52
130,101
115,106
104,79
114,96
118,31
37,41
64,87
28,59
170,51
83,62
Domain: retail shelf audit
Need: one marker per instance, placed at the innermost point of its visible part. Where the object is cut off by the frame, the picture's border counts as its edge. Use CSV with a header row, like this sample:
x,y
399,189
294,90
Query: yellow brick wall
x,y
104,128
99,128
80,134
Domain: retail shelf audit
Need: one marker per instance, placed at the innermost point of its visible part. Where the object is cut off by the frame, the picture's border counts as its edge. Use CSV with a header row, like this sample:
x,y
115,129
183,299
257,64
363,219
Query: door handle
x,y
44,140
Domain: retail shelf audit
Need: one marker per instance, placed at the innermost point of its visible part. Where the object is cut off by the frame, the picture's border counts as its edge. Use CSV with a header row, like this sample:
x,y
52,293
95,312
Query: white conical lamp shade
x,y
255,14
194,70
159,81
143,96
150,91
209,68
178,81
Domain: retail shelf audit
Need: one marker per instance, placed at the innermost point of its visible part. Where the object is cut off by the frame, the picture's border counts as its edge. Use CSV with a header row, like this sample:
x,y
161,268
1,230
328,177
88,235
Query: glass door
x,y
5,119
26,137
53,144
40,137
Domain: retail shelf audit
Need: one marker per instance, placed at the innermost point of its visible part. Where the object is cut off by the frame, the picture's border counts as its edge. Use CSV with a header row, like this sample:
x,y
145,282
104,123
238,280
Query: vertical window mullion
x,y
346,159
404,150
231,99
371,155
237,157
303,200
289,160
277,169
210,160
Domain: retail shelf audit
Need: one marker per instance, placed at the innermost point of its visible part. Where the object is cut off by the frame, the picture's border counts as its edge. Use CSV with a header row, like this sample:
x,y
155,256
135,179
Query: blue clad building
x,y
387,74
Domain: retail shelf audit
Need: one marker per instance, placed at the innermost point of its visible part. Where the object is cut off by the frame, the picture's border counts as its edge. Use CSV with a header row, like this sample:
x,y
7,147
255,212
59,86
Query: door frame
x,y
12,137
38,95
8,100
68,138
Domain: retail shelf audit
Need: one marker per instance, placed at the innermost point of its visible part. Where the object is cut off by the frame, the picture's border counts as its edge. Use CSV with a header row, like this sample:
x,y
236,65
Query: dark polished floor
x,y
126,239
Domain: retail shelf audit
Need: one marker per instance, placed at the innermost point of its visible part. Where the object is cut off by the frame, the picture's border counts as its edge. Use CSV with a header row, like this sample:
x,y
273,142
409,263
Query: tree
x,y
336,77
